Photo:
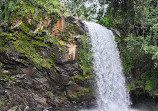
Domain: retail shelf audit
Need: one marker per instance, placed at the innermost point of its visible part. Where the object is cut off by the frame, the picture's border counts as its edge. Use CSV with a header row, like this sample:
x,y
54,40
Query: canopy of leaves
x,y
7,6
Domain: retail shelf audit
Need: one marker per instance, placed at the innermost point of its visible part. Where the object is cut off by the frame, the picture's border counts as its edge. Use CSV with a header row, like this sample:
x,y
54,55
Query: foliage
x,y
150,45
139,36
127,65
85,59
86,9
106,21
146,82
6,7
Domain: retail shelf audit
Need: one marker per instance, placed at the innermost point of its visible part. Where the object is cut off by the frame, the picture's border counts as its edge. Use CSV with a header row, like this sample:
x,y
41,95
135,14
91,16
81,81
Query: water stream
x,y
112,93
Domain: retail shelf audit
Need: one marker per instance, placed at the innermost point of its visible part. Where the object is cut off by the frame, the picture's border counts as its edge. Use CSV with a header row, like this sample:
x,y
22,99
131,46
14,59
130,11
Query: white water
x,y
112,93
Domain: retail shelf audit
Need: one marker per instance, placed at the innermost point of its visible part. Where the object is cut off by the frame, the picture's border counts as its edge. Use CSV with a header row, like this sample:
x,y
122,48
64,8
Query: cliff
x,y
43,64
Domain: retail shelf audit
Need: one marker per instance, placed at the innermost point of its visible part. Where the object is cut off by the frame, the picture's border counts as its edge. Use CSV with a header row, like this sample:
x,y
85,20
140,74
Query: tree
x,y
86,9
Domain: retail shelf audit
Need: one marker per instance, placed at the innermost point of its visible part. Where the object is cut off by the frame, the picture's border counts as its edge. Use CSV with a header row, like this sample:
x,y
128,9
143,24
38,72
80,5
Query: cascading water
x,y
112,93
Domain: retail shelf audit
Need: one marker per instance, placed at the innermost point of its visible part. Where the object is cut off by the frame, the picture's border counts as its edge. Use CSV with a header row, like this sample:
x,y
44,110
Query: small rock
x,y
41,100
65,80
26,108
11,110
39,108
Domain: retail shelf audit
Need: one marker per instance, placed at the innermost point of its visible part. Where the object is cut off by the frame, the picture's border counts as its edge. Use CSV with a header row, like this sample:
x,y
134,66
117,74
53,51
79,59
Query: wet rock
x,y
29,70
28,17
74,89
11,110
40,100
58,27
65,80
39,108
70,53
26,108
44,54
16,24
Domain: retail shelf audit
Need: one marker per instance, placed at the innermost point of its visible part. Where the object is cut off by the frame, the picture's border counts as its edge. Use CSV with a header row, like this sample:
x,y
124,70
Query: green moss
x,y
23,61
64,35
80,77
79,94
5,39
15,108
71,28
28,47
23,40
5,78
72,96
49,93
25,29
82,92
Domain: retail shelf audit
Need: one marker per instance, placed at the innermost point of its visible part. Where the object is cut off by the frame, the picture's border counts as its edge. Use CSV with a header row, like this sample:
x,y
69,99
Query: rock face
x,y
58,27
39,63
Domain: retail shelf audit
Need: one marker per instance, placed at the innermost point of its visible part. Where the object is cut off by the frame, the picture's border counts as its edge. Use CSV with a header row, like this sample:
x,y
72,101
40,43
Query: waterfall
x,y
112,93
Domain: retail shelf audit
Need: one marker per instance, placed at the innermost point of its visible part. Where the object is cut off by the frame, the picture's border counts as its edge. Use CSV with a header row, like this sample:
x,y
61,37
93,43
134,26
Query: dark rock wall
x,y
39,63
